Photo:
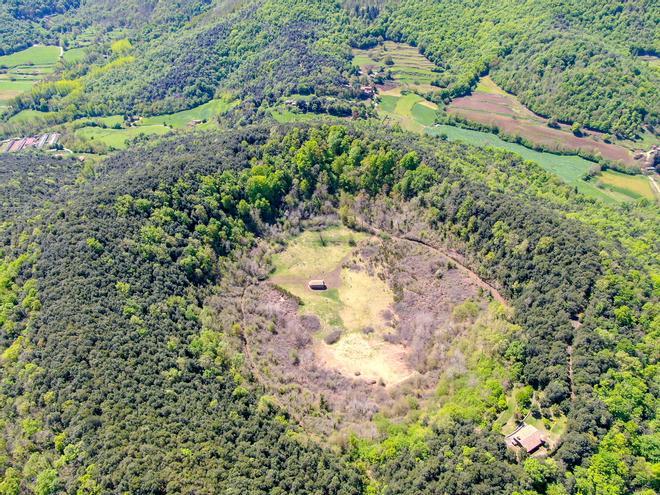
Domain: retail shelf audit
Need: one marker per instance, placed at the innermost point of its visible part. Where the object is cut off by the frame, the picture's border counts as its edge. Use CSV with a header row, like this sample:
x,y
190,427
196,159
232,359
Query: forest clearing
x,y
385,325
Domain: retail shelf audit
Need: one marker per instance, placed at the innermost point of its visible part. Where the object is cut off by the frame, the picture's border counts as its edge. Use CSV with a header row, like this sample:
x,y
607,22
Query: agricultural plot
x,y
411,111
402,64
202,113
21,70
417,114
116,138
29,116
33,56
74,55
492,106
633,186
113,131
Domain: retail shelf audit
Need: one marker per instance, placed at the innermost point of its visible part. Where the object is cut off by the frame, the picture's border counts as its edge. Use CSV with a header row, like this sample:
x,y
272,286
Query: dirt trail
x,y
654,184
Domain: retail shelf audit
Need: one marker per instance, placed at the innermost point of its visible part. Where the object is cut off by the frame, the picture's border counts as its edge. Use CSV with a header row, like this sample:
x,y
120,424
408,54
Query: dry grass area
x,y
635,186
376,339
490,105
367,357
354,301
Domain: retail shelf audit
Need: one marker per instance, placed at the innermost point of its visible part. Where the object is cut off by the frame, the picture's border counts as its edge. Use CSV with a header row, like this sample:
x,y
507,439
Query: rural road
x,y
654,185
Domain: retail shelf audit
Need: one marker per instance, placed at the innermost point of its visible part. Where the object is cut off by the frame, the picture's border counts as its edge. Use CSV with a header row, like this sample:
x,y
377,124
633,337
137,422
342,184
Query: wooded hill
x,y
117,378
565,61
123,359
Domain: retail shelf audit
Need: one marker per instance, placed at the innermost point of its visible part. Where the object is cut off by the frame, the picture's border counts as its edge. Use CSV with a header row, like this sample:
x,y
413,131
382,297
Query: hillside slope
x,y
123,328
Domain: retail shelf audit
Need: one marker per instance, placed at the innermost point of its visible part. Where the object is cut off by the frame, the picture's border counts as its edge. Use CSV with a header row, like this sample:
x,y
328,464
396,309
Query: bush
x,y
333,337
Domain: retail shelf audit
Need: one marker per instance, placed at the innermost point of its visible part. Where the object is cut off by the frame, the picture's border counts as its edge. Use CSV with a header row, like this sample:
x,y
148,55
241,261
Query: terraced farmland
x,y
414,113
21,70
407,67
492,106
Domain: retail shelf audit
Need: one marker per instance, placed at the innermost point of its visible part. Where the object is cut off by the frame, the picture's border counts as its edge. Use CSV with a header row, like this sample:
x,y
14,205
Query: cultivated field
x,y
411,111
21,70
407,67
414,113
205,112
74,55
113,132
490,105
632,186
116,138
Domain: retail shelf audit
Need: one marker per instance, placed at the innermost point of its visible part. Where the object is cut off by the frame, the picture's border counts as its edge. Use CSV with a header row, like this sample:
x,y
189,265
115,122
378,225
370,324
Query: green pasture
x,y
283,115
410,110
181,119
74,55
21,70
116,138
28,115
35,55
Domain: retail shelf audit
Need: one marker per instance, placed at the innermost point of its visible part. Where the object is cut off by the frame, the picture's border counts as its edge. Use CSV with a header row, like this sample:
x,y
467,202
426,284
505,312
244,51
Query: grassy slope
x,y
25,68
570,168
157,125
35,55
202,112
74,55
410,68
634,186
28,115
116,138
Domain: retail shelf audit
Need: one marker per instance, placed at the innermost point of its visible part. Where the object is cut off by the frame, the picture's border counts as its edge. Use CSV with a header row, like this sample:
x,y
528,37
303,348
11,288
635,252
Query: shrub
x,y
333,337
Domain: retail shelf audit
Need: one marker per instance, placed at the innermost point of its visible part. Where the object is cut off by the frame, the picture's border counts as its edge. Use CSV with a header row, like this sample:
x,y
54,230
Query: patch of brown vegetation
x,y
413,338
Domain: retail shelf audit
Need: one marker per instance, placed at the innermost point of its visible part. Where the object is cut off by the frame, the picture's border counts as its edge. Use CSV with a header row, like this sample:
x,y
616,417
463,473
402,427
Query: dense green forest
x,y
116,380
128,312
566,61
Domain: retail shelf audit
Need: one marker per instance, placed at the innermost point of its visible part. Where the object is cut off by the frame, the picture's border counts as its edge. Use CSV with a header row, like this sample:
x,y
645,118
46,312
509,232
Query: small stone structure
x,y
527,437
317,284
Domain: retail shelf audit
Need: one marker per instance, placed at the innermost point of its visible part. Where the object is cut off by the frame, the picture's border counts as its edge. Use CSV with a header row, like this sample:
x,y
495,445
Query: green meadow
x,y
203,112
116,138
74,55
35,55
21,70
